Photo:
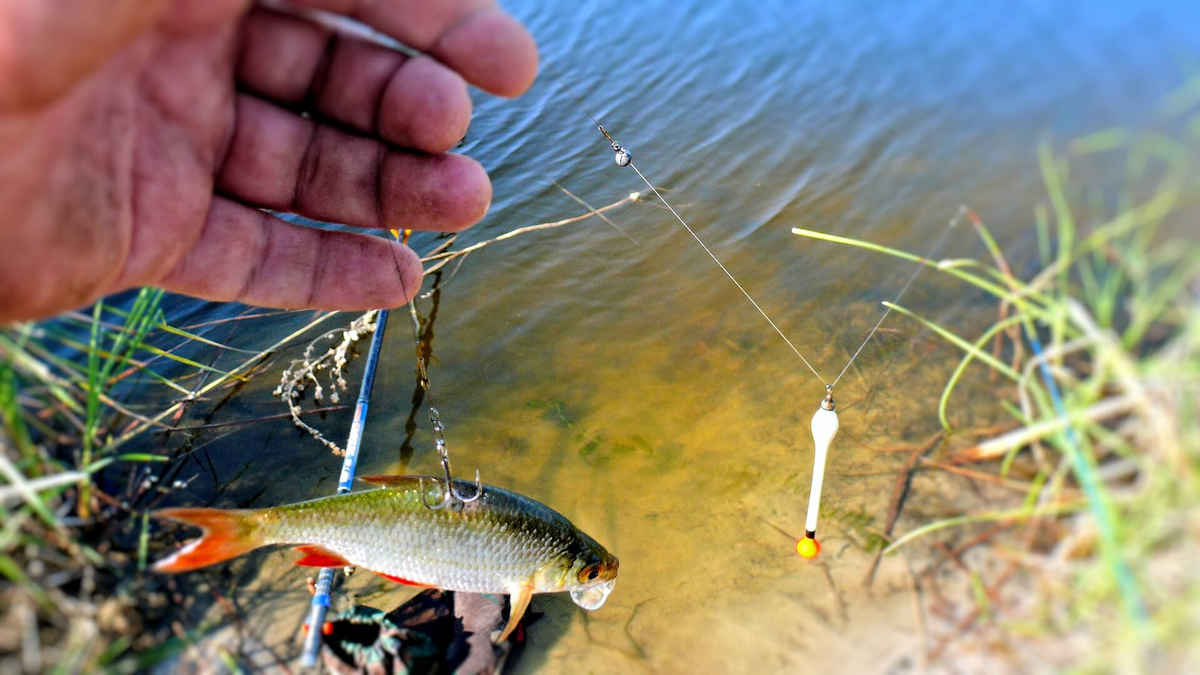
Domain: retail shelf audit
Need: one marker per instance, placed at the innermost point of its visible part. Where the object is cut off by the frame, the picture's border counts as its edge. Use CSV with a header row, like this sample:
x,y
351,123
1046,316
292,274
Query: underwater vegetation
x,y
595,444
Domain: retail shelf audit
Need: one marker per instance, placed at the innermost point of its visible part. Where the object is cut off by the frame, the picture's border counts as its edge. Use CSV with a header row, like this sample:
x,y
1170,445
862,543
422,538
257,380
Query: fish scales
x,y
484,547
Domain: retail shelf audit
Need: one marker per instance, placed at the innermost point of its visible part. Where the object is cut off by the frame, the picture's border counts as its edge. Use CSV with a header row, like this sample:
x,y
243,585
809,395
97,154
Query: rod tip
x,y
808,548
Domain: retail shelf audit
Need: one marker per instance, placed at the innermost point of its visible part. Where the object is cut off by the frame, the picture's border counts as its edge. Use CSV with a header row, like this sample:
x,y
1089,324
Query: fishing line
x,y
591,208
933,250
624,158
450,494
723,269
825,422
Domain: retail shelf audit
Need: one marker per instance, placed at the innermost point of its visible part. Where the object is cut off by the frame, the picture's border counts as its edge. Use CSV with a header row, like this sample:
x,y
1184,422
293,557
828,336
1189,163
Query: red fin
x,y
406,582
227,534
316,556
518,602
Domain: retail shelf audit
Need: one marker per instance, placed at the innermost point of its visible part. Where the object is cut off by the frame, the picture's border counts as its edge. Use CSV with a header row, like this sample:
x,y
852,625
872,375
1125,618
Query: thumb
x,y
46,46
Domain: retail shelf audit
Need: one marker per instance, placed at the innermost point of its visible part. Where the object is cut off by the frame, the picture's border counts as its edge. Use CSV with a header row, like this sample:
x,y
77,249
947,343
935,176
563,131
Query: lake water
x,y
632,388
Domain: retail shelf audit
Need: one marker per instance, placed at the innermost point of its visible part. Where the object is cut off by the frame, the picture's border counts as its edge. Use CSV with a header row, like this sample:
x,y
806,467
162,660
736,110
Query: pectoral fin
x,y
401,580
317,556
518,603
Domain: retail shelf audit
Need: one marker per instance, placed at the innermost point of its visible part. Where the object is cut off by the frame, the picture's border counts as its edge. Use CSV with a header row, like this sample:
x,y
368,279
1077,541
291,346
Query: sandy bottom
x,y
687,468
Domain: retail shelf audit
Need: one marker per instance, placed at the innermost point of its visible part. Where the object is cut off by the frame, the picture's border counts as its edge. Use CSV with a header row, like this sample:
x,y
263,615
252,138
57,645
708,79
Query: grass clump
x,y
1096,350
74,391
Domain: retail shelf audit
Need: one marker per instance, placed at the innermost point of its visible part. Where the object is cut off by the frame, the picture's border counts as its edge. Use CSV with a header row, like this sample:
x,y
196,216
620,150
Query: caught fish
x,y
501,543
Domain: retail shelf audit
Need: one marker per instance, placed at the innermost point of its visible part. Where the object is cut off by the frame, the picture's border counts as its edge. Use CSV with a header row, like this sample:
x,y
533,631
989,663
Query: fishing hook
x,y
450,493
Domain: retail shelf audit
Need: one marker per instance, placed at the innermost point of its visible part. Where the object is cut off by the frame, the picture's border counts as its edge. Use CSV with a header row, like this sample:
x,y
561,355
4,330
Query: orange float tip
x,y
808,548
326,628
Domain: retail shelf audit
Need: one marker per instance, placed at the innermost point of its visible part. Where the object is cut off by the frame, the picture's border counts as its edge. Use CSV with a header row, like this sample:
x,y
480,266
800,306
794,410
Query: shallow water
x,y
632,388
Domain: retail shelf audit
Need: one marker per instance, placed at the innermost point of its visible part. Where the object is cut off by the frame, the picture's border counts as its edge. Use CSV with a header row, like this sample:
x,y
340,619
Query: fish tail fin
x,y
226,535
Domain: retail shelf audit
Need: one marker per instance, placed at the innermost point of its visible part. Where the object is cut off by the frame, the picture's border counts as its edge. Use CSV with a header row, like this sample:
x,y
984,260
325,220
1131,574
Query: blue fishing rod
x,y
321,598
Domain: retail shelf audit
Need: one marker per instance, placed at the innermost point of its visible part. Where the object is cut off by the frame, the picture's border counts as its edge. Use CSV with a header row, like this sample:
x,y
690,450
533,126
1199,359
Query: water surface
x,y
631,387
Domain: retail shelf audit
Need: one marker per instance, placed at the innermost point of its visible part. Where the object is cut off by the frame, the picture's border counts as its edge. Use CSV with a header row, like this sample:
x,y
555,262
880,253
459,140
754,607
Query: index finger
x,y
489,48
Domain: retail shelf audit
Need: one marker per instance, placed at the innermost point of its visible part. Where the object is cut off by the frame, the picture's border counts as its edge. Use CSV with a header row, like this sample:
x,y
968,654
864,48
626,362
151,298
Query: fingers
x,y
282,161
411,102
249,256
490,49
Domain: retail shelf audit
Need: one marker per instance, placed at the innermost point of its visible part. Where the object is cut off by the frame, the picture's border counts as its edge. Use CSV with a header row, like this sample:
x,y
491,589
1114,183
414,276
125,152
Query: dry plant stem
x,y
1031,529
441,263
449,255
914,587
300,372
243,367
964,626
9,493
1152,411
899,490
957,553
1016,486
997,447
24,488
843,612
1032,526
1013,331
952,556
264,418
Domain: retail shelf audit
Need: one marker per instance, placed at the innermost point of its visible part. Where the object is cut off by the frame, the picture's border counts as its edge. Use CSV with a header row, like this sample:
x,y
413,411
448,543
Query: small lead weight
x,y
623,157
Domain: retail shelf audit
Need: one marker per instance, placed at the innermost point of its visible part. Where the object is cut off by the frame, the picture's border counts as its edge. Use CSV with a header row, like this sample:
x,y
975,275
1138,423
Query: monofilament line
x,y
723,269
593,210
937,244
578,101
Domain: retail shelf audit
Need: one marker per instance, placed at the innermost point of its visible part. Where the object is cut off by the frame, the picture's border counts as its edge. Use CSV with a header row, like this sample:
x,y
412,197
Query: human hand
x,y
139,140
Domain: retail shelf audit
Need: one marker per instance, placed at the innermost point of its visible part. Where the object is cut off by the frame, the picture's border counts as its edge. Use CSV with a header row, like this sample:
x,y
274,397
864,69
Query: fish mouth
x,y
593,597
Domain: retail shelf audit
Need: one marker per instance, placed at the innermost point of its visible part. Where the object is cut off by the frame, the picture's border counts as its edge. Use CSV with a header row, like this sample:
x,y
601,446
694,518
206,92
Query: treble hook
x,y
450,494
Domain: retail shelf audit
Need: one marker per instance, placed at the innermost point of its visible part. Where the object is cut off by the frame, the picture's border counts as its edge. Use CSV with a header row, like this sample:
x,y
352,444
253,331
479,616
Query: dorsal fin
x,y
387,480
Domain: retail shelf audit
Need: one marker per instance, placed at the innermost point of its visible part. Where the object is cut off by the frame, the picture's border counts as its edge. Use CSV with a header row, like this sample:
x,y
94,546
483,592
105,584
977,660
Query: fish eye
x,y
589,573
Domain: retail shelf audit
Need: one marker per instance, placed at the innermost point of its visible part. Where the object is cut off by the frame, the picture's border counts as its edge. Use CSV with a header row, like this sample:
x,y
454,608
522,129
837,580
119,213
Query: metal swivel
x,y
827,404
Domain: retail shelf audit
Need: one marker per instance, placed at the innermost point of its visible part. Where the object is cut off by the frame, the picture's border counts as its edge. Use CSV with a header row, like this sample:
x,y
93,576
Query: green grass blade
x,y
952,270
991,361
966,361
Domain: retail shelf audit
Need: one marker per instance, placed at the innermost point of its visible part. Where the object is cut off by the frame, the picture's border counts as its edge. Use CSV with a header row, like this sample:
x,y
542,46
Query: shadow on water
x,y
424,348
